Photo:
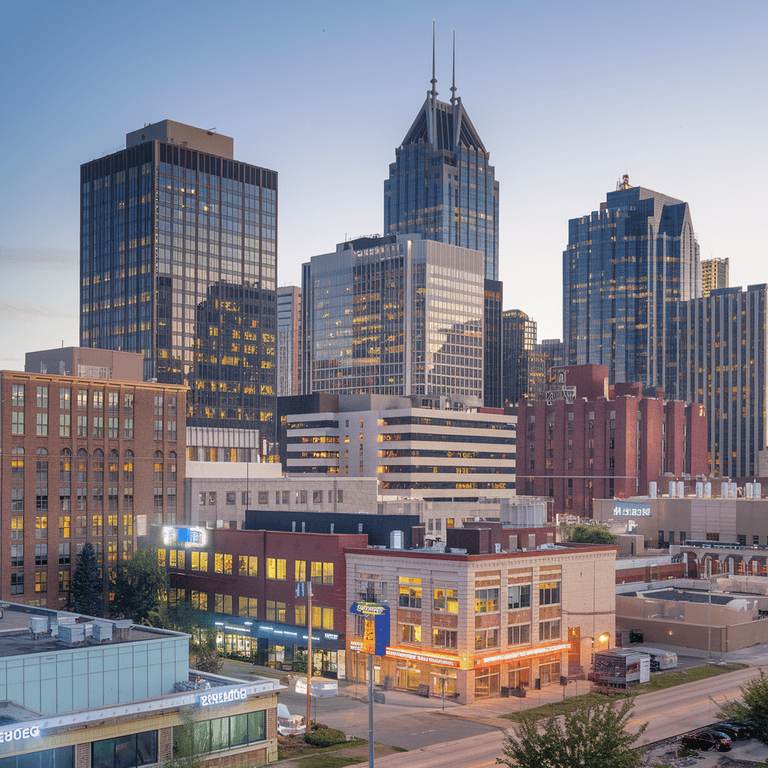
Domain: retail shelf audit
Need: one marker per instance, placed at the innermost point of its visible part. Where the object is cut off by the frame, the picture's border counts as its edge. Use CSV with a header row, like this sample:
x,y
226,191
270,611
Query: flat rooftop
x,y
16,639
691,596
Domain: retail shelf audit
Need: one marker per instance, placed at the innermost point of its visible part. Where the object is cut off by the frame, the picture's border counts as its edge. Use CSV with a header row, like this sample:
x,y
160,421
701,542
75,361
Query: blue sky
x,y
566,96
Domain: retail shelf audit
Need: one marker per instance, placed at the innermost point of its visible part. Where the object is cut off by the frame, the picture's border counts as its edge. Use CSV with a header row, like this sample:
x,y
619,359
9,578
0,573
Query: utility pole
x,y
309,654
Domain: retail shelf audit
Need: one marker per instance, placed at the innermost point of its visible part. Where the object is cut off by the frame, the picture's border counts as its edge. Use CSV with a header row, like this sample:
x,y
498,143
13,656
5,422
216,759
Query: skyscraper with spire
x,y
442,184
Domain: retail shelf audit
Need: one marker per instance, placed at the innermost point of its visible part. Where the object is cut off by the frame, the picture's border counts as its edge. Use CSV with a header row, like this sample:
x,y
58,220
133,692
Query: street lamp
x,y
443,672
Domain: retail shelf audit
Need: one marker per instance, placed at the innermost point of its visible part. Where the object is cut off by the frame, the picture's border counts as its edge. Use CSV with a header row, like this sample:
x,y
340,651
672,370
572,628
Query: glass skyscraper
x,y
442,185
178,260
719,359
625,269
395,315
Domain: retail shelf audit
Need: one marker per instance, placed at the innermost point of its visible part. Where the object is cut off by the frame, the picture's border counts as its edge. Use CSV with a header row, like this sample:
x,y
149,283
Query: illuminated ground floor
x,y
464,677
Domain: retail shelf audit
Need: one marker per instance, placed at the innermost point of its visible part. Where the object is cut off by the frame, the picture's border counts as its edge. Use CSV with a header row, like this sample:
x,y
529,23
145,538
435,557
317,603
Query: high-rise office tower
x,y
519,356
395,315
553,349
626,266
492,342
289,340
442,185
714,275
719,343
178,260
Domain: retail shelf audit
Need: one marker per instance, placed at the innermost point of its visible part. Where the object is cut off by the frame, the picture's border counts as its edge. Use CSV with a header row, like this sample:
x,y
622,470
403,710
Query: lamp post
x,y
443,672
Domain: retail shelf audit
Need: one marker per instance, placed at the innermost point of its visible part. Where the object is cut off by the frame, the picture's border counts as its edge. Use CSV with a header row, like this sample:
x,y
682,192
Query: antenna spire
x,y
453,83
434,79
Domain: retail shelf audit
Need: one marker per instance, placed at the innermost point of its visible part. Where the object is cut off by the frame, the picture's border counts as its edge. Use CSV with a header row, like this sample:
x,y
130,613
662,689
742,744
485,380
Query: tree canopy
x,y
590,736
753,706
86,594
591,534
138,586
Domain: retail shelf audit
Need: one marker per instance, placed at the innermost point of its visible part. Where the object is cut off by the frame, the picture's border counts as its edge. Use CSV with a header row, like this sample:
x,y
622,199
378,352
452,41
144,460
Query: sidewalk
x,y
488,710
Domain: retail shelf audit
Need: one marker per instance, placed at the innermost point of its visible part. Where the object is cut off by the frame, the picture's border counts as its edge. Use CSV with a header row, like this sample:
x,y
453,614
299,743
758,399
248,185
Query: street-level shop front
x,y
283,646
463,677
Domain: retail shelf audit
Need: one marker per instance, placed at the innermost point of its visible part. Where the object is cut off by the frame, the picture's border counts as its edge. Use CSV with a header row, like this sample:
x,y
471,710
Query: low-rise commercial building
x,y
247,580
217,494
666,520
472,626
79,692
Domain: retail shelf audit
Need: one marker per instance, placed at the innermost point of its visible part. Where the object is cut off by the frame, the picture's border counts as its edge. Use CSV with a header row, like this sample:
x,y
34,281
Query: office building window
x,y
519,634
549,593
519,596
248,606
276,568
549,630
487,600
410,592
275,611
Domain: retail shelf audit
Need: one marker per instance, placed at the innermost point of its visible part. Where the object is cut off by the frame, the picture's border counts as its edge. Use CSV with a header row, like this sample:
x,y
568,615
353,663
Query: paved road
x,y
414,724
668,713
472,736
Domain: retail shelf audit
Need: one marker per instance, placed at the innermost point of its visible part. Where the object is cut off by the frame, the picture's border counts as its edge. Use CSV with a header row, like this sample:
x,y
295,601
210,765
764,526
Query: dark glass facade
x,y
492,335
442,184
524,364
179,262
626,267
717,357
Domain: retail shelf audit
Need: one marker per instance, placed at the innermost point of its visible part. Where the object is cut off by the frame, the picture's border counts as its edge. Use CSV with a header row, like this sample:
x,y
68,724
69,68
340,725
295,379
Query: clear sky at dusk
x,y
566,96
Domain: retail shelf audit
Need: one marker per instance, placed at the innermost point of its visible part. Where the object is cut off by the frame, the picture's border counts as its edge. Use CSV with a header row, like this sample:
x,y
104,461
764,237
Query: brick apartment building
x,y
587,441
83,459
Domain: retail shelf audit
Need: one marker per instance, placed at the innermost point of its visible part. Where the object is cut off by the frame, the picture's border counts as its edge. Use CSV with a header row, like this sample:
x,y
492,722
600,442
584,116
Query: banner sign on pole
x,y
376,637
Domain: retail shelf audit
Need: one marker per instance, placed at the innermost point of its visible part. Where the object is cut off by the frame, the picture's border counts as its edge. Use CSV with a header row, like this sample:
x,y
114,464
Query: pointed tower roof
x,y
444,126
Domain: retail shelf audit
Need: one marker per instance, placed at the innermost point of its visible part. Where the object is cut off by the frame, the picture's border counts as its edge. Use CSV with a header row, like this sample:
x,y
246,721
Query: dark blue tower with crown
x,y
441,184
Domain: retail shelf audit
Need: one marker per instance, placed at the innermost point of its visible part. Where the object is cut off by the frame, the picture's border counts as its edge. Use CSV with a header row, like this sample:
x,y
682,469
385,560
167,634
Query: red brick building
x,y
588,441
82,460
249,578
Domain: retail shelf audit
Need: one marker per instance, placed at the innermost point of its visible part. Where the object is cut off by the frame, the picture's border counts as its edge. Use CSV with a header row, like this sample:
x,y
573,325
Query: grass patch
x,y
330,761
658,682
295,747
673,677
558,708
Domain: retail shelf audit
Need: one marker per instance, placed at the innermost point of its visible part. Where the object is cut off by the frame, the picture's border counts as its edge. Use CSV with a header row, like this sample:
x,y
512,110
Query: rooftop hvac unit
x,y
102,631
396,540
123,629
70,634
38,625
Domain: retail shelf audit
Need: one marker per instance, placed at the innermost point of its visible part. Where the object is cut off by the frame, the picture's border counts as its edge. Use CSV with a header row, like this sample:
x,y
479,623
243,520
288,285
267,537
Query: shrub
x,y
325,737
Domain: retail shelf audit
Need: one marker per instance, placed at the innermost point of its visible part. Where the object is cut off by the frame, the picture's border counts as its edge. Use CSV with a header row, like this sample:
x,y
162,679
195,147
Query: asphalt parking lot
x,y
748,751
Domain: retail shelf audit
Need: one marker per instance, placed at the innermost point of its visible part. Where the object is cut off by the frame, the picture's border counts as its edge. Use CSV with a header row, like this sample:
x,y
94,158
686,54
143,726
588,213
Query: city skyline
x,y
682,114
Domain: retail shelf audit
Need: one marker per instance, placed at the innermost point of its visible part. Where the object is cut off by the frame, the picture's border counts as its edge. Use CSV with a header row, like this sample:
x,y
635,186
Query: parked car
x,y
705,740
737,731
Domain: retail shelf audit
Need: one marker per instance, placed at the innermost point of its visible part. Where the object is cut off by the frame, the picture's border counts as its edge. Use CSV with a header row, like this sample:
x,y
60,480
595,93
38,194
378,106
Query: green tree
x,y
753,706
87,591
184,753
205,656
138,585
591,736
591,534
